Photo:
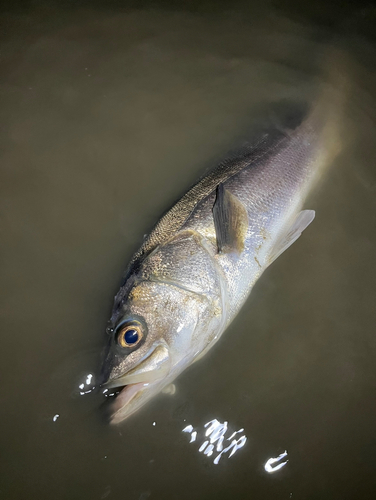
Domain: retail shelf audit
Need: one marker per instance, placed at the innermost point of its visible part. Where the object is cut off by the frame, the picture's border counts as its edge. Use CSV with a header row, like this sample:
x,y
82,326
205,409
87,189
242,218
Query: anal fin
x,y
287,238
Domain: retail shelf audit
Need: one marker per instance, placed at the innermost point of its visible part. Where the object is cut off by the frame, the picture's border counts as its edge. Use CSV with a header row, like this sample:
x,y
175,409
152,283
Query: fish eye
x,y
129,336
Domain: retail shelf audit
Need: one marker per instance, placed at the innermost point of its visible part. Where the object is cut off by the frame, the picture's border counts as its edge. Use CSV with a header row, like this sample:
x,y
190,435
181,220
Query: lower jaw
x,y
122,400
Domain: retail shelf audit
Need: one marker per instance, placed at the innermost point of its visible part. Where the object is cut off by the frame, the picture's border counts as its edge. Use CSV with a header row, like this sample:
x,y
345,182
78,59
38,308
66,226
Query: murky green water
x,y
108,115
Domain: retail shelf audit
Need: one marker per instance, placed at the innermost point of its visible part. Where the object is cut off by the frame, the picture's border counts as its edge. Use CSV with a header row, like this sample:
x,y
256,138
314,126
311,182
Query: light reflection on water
x,y
214,438
269,463
88,386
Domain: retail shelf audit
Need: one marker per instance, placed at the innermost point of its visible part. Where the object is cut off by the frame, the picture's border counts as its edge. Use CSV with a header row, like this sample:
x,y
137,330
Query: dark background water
x,y
109,111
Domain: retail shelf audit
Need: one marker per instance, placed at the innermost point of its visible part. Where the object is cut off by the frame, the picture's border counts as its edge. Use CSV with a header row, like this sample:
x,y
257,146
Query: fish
x,y
196,268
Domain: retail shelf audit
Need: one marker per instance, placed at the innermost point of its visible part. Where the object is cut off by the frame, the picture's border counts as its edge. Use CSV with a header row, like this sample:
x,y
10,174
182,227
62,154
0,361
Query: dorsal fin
x,y
251,153
230,221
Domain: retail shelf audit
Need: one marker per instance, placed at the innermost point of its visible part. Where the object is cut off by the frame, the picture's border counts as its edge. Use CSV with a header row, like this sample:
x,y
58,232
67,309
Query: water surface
x,y
108,115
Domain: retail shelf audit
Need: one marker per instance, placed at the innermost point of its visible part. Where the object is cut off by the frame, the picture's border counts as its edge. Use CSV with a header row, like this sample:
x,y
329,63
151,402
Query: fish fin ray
x,y
286,239
230,221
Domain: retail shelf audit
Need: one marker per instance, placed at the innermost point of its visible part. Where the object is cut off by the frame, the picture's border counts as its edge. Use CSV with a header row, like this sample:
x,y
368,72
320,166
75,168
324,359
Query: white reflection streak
x,y
235,445
234,433
193,433
268,465
214,437
209,450
88,381
203,446
217,431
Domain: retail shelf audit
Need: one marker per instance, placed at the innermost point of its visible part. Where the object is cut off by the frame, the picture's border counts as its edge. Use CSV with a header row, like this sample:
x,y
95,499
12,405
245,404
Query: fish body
x,y
196,268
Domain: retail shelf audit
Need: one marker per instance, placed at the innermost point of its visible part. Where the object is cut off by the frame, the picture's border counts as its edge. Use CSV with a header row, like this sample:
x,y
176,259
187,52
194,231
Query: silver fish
x,y
196,268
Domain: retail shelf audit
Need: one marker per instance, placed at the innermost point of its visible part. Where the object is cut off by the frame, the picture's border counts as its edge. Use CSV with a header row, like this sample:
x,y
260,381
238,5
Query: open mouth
x,y
114,392
119,399
130,391
118,395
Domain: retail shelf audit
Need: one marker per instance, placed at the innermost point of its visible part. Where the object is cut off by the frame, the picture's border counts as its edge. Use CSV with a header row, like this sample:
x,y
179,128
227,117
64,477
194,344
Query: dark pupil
x,y
131,336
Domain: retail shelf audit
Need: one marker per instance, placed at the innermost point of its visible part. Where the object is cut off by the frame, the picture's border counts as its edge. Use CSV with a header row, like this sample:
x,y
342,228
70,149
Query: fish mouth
x,y
132,389
123,404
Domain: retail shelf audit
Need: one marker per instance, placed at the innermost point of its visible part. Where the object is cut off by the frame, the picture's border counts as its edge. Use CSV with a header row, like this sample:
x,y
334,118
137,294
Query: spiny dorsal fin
x,y
230,221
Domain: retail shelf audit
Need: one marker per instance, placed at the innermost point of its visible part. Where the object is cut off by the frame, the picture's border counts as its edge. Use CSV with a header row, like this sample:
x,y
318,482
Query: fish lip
x,y
113,406
139,383
160,350
131,398
116,382
123,399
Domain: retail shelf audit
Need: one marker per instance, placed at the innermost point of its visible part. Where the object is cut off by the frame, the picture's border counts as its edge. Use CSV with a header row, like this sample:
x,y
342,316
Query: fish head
x,y
157,331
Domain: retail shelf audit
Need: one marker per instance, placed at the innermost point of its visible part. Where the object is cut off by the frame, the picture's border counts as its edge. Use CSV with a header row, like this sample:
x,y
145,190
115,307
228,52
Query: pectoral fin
x,y
287,238
170,389
230,221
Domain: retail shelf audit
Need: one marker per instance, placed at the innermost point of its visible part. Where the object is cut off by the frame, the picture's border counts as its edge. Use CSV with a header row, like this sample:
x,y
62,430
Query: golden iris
x,y
129,336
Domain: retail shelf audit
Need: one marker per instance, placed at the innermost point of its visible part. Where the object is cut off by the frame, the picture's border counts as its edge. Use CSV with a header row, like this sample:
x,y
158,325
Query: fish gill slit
x,y
222,280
